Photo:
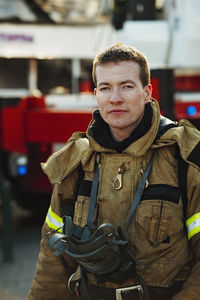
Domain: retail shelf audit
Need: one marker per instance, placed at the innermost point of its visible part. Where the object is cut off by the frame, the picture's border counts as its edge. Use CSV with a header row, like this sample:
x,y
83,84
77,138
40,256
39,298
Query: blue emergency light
x,y
22,170
191,110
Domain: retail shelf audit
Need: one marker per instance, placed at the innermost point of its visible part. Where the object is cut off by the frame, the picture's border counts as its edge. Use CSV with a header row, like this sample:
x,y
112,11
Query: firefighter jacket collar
x,y
141,145
99,129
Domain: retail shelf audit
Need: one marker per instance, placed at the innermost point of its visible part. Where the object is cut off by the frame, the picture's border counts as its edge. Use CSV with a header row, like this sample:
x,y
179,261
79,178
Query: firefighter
x,y
123,222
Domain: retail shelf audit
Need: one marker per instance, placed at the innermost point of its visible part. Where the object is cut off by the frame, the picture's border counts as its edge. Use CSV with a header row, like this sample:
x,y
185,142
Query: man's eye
x,y
128,86
104,88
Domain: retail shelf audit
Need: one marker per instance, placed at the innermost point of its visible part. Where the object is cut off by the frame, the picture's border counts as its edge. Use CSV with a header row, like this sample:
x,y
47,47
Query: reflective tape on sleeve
x,y
54,221
193,225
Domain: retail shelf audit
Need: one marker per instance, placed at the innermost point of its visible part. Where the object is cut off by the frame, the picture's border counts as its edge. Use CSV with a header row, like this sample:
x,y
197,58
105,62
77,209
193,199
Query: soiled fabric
x,y
157,236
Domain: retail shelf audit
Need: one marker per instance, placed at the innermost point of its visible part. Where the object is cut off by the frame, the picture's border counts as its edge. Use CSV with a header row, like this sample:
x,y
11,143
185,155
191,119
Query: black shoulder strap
x,y
182,179
165,125
67,207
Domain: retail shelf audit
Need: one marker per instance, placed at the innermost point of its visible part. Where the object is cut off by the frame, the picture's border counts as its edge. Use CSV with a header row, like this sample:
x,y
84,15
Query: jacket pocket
x,y
154,220
160,220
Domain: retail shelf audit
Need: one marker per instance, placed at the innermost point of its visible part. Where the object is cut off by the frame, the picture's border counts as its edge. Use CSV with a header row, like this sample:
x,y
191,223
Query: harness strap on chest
x,y
138,194
90,225
90,220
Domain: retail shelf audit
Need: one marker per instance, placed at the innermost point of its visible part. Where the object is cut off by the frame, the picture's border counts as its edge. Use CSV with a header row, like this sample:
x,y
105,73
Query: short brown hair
x,y
120,52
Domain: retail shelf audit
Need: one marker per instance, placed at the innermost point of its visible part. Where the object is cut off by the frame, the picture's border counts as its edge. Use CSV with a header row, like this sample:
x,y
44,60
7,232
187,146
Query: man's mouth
x,y
117,111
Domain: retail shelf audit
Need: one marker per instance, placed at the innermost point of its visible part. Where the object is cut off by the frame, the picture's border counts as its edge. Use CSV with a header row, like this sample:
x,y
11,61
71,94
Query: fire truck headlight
x,y
191,110
21,160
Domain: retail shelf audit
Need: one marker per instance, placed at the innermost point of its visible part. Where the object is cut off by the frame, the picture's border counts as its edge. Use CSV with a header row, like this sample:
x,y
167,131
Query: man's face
x,y
120,96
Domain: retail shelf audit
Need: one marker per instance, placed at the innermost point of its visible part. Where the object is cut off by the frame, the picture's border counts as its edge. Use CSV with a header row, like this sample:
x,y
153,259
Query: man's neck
x,y
120,134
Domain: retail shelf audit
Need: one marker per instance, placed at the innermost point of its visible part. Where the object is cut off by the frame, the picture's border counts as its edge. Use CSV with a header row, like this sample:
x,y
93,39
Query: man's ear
x,y
95,92
148,92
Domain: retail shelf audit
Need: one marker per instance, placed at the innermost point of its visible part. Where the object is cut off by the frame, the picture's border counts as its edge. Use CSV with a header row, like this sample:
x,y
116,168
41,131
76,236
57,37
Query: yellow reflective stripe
x,y
193,225
54,221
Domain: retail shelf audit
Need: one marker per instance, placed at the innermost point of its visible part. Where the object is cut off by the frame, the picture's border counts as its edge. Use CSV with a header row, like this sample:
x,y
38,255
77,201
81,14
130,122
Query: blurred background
x,y
46,93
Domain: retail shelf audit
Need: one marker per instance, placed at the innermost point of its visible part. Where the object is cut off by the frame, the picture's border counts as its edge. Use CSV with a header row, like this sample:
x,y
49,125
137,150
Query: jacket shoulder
x,y
187,138
164,125
64,161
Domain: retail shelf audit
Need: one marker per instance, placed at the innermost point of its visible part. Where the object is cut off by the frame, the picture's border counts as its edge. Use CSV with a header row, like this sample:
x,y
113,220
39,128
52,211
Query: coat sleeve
x,y
191,288
51,277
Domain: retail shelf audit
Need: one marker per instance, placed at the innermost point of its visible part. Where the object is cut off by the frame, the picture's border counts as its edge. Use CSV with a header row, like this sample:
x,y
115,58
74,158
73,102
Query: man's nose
x,y
116,96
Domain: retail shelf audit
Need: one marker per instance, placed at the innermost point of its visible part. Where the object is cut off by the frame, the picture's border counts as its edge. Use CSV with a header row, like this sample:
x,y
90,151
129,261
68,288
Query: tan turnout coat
x,y
157,235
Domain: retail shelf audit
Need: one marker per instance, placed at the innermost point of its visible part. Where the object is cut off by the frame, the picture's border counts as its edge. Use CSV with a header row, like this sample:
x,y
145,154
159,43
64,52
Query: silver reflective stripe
x,y
193,225
54,221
